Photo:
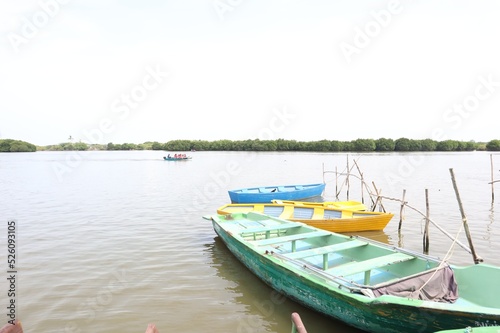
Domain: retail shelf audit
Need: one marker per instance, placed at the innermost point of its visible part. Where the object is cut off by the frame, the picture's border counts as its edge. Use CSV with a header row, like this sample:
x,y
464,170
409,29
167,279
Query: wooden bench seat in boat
x,y
271,228
367,265
325,250
291,238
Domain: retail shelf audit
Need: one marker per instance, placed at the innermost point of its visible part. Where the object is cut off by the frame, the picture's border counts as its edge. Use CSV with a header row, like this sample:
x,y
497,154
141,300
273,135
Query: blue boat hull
x,y
269,193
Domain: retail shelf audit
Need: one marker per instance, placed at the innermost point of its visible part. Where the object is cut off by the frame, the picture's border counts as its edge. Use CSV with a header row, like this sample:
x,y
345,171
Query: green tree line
x,y
15,146
358,145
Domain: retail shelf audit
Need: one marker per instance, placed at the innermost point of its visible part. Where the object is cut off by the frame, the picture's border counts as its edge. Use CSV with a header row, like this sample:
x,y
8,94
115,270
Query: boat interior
x,y
363,266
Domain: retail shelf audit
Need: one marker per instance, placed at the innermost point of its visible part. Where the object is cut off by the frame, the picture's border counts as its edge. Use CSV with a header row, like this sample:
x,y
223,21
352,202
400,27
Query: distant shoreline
x,y
358,145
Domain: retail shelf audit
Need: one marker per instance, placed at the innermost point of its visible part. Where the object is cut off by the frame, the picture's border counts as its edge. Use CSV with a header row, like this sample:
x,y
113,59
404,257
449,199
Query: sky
x,y
126,71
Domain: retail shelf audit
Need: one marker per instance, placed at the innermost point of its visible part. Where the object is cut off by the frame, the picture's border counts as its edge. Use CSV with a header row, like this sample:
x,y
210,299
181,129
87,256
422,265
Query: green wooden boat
x,y
368,285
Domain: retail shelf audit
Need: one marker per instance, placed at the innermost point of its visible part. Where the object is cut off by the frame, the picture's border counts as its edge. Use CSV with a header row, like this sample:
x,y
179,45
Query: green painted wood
x,y
326,249
286,239
370,264
271,228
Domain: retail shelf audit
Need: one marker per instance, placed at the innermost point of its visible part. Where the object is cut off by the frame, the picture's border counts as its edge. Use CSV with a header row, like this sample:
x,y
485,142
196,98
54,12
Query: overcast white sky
x,y
134,71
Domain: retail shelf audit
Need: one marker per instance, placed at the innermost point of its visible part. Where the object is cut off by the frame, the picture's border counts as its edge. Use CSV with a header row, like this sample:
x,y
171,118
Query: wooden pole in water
x,y
379,198
362,182
464,221
347,177
403,202
336,184
426,229
492,181
323,166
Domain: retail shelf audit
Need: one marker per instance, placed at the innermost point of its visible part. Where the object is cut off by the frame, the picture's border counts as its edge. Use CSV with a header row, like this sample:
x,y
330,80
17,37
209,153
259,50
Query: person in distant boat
x,y
168,156
175,156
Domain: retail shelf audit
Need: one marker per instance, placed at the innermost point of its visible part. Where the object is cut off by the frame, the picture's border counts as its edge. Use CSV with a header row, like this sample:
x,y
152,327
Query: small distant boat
x,y
268,193
331,219
182,158
344,205
371,286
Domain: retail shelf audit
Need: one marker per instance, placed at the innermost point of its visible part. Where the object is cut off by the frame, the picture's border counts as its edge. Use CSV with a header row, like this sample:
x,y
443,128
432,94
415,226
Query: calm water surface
x,y
109,241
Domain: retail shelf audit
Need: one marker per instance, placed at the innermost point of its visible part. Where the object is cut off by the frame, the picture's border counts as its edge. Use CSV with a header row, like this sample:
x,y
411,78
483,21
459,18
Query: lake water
x,y
110,241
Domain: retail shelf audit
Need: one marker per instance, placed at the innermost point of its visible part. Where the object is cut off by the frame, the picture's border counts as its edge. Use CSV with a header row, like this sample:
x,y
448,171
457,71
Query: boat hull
x,y
318,216
268,193
176,159
386,313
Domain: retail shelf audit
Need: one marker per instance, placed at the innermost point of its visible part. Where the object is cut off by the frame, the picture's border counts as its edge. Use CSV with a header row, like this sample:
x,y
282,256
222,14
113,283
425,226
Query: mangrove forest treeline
x,y
16,146
359,145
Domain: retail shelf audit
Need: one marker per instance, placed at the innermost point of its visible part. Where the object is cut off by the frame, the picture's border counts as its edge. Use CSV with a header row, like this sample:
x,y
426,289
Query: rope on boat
x,y
445,259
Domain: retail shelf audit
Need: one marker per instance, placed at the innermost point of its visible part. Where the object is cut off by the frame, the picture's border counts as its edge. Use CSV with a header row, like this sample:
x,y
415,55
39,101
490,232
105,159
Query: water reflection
x,y
261,302
378,236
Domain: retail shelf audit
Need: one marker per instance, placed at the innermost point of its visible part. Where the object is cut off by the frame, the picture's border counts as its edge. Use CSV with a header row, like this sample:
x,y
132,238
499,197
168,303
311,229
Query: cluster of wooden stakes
x,y
342,179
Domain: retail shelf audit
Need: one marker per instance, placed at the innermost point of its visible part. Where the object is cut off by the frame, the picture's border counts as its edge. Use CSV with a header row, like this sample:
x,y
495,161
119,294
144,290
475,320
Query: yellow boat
x,y
331,219
344,205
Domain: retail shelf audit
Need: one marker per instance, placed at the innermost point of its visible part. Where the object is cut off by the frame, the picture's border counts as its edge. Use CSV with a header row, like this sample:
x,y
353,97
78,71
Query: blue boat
x,y
268,193
168,158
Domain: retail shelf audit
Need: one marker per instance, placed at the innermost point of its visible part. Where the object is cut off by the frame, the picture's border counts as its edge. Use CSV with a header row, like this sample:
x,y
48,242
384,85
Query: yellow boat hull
x,y
325,218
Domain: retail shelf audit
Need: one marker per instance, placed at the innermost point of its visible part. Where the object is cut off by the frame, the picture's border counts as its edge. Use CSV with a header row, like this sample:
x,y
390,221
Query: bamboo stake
x,y
464,220
401,211
492,181
347,177
426,229
362,182
447,234
400,239
323,167
379,199
362,190
336,184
